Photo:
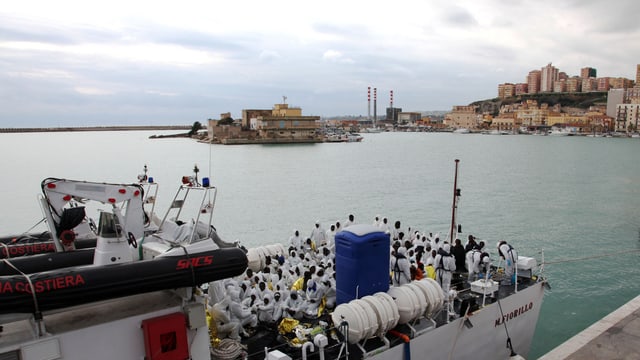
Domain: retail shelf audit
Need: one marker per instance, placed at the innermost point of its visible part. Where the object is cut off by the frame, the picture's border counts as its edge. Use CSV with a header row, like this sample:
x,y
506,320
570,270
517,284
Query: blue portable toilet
x,y
362,262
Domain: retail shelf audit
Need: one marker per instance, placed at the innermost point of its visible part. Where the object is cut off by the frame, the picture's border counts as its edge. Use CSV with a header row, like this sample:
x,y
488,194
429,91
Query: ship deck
x,y
268,336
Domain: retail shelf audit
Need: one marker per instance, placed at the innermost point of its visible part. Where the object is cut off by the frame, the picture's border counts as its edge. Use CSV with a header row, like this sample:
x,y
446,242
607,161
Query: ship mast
x,y
454,207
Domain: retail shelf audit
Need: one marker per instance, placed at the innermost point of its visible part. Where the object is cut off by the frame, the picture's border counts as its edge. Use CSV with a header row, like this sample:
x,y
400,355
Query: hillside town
x,y
540,105
619,110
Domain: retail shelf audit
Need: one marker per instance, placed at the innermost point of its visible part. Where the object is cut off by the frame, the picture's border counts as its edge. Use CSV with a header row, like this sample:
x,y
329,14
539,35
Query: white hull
x,y
487,338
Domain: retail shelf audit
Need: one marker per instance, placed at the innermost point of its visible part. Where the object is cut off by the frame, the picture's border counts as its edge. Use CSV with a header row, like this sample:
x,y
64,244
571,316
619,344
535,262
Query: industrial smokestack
x,y
368,103
375,106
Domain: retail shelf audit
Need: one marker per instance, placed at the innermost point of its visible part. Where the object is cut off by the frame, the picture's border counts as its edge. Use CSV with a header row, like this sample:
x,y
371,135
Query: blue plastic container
x,y
362,262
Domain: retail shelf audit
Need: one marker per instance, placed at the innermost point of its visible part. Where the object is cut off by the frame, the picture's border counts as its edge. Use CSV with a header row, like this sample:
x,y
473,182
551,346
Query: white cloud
x,y
223,56
336,56
87,90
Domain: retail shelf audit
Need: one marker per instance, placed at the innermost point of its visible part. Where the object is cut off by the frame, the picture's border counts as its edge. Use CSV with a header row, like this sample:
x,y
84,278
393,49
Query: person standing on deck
x,y
478,262
445,265
295,240
459,254
318,234
349,221
331,237
510,256
396,230
401,268
471,243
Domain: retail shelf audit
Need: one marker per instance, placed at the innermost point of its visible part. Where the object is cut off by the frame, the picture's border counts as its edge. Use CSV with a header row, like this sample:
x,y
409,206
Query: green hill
x,y
566,100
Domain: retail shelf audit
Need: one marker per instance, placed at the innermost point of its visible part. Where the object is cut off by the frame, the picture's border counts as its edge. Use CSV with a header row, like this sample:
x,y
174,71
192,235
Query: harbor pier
x,y
616,336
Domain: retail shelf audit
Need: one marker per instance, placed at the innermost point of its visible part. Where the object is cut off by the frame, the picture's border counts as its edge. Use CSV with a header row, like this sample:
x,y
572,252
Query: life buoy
x,y
132,240
67,237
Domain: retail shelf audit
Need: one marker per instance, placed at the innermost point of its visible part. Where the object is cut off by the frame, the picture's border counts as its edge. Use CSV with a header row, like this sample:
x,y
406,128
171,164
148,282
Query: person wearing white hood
x,y
401,268
445,265
265,309
350,220
318,234
296,240
385,227
478,262
293,306
277,306
240,313
331,237
314,295
510,255
220,313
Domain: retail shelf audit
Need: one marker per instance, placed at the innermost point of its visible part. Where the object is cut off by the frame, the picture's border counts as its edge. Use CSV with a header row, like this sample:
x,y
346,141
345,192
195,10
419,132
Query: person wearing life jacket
x,y
510,256
445,265
401,268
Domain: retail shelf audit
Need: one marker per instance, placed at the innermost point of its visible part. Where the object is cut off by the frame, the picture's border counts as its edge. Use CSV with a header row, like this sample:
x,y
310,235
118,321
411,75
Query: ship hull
x,y
487,339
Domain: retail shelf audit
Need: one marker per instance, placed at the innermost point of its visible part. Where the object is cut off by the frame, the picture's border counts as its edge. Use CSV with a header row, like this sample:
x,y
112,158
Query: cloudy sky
x,y
66,63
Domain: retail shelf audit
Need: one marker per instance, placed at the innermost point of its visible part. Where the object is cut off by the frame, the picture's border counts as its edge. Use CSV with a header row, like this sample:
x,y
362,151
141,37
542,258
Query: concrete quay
x,y
616,336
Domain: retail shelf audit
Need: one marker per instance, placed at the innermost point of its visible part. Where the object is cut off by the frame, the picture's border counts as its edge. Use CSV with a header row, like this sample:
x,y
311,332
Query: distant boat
x,y
354,137
461,131
562,132
372,130
499,132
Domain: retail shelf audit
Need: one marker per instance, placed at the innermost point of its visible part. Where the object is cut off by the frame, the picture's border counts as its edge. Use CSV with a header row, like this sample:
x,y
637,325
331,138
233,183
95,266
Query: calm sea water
x,y
574,197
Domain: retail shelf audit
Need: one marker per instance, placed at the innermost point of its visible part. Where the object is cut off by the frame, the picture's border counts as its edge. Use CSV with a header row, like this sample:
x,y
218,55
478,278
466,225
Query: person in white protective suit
x,y
220,314
386,227
330,293
349,222
331,237
277,306
445,265
295,241
318,235
293,306
314,294
510,256
478,262
265,309
241,313
401,268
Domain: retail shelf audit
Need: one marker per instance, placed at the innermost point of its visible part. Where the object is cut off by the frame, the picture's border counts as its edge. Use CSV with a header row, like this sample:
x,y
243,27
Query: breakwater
x,y
97,128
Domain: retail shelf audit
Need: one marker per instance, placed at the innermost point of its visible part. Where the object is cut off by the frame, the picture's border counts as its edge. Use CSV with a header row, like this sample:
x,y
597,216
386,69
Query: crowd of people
x,y
302,283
